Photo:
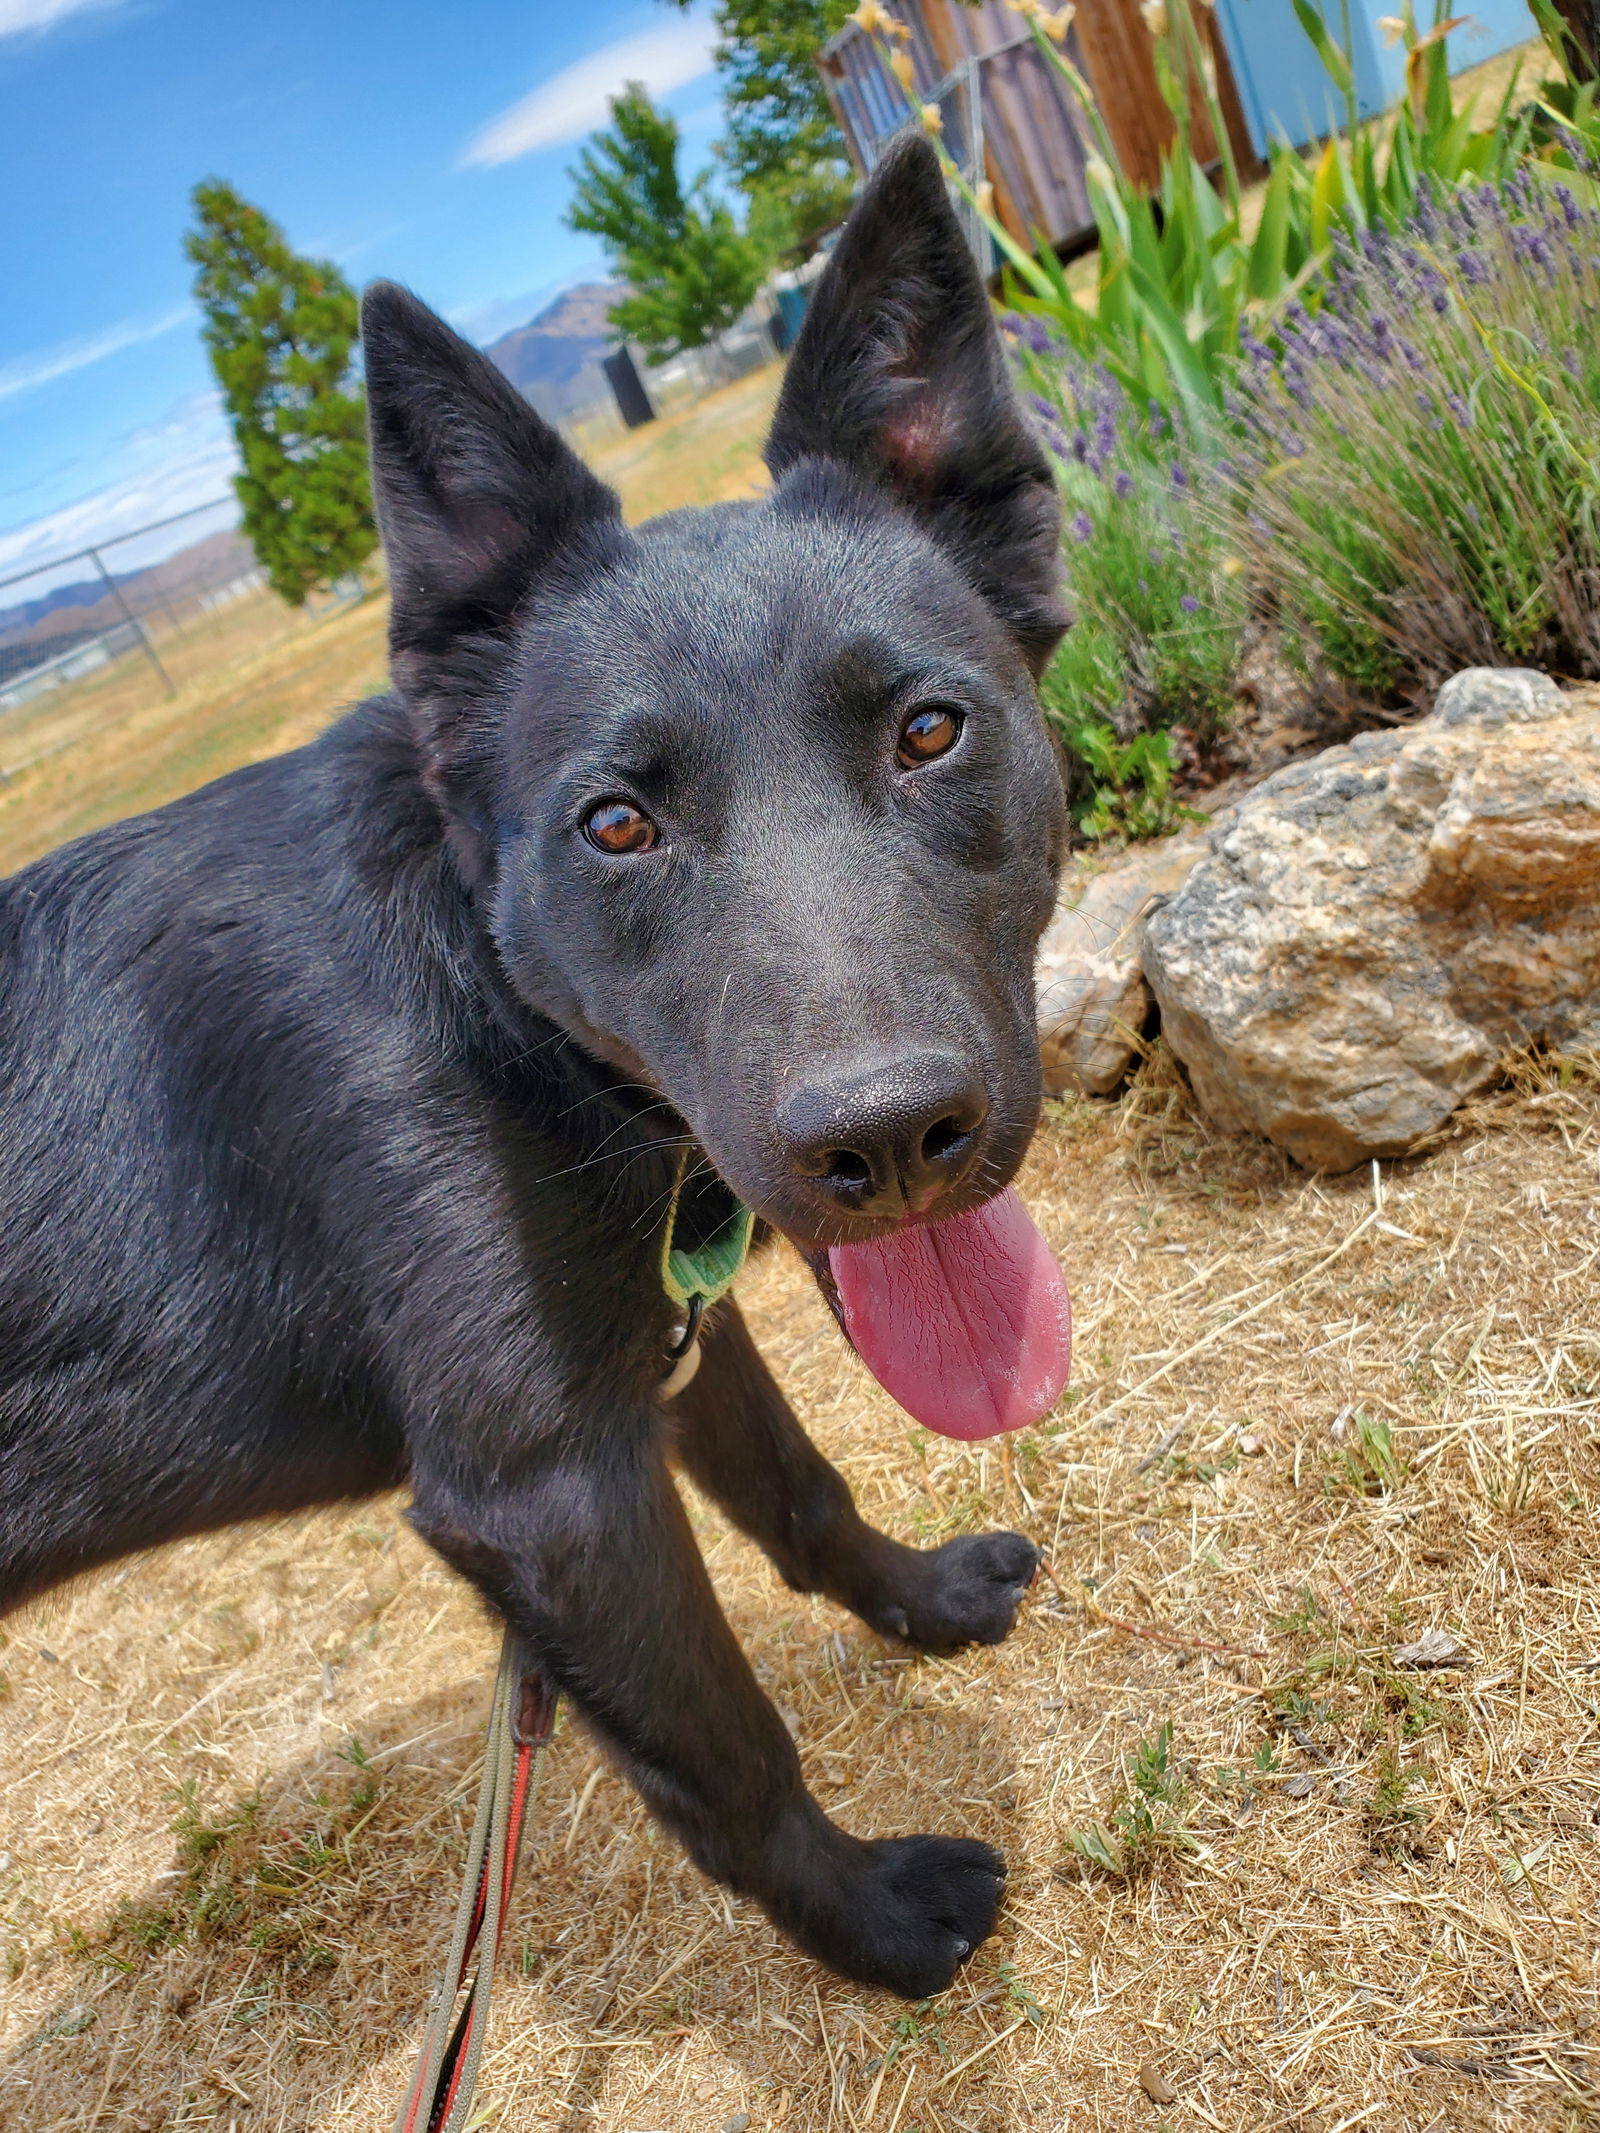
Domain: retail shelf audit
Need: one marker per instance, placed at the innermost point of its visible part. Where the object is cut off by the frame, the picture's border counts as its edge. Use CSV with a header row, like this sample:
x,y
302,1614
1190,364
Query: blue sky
x,y
410,139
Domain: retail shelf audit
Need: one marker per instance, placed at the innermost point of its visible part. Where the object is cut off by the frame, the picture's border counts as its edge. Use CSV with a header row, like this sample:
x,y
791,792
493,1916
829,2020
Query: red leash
x,y
520,1724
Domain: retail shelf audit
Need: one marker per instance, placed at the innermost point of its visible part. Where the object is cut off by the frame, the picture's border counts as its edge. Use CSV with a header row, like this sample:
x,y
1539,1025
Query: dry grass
x,y
259,682
709,453
256,678
1311,1421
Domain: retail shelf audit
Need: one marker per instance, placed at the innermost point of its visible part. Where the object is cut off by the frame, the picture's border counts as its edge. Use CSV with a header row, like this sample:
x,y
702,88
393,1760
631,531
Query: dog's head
x,y
758,799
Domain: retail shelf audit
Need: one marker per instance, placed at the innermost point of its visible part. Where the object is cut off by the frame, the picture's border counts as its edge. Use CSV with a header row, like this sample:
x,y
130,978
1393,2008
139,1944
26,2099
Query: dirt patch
x,y
1312,1421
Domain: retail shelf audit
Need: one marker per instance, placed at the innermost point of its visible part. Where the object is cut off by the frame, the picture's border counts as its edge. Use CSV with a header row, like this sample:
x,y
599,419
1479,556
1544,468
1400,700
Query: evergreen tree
x,y
781,141
282,332
690,269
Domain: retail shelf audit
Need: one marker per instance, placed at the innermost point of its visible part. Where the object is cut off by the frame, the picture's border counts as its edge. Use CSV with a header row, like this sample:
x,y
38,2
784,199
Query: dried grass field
x,y
1313,1421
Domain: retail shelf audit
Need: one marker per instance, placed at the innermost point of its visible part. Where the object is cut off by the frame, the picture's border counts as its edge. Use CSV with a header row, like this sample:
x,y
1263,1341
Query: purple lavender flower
x,y
1123,485
1082,527
1034,335
1180,480
1189,604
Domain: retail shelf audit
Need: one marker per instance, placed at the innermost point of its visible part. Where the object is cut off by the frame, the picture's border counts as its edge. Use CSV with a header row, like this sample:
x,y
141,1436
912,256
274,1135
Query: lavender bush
x,y
1419,465
1154,581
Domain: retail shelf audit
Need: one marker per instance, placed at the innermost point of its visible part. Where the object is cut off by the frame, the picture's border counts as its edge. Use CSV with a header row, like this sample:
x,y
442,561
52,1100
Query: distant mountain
x,y
83,593
553,360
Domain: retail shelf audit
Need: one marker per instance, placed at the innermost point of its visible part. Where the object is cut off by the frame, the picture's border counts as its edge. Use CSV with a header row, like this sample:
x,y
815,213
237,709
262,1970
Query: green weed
x,y
1158,593
1147,1821
1301,1619
1019,1995
1130,793
1393,1816
198,1839
1368,1463
914,2030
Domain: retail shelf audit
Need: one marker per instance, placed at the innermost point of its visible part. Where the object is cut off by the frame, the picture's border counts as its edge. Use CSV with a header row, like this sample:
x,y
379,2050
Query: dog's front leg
x,y
592,1559
739,1441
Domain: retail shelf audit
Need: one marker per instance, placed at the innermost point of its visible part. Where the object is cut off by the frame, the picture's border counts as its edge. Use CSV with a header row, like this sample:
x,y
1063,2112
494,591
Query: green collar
x,y
706,1239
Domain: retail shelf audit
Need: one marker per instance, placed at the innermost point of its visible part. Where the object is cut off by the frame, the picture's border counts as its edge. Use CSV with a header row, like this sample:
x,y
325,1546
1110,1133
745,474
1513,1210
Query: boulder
x,y
1093,1000
1371,930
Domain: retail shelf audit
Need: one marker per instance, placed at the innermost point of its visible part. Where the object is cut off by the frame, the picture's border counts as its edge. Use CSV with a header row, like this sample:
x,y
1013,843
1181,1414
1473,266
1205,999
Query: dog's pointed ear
x,y
478,501
898,373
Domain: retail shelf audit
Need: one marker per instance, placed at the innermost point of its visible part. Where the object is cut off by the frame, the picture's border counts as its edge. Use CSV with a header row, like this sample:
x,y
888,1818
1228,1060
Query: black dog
x,y
343,1100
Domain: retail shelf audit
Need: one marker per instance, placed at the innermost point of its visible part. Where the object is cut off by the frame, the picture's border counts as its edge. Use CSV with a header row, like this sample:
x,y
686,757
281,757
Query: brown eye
x,y
928,734
619,826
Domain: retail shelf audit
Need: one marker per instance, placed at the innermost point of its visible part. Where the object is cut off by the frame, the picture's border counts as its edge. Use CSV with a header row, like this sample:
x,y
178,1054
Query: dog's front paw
x,y
909,1912
966,1592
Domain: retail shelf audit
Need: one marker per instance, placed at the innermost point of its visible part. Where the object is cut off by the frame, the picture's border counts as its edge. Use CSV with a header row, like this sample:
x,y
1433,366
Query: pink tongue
x,y
965,1322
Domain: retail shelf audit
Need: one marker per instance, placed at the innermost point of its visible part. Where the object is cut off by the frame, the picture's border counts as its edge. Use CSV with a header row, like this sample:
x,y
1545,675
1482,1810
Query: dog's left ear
x,y
899,374
478,501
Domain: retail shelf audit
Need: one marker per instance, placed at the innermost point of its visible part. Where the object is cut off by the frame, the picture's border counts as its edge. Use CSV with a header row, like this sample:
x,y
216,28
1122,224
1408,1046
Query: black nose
x,y
886,1135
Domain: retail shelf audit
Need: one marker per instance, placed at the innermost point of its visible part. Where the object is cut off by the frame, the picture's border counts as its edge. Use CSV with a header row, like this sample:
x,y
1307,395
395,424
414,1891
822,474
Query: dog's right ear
x,y
898,375
478,502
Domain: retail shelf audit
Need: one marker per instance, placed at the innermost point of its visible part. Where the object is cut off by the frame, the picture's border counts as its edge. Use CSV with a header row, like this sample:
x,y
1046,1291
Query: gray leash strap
x,y
521,1718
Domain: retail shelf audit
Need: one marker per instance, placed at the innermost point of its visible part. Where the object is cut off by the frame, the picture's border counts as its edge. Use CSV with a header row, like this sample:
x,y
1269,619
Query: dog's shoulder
x,y
308,888
279,824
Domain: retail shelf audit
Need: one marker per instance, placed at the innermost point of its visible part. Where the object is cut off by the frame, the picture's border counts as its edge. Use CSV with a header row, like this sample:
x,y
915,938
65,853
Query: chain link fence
x,y
95,636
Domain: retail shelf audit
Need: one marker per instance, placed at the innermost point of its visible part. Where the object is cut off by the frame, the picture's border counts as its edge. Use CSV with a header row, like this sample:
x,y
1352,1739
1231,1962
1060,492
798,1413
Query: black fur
x,y
342,1100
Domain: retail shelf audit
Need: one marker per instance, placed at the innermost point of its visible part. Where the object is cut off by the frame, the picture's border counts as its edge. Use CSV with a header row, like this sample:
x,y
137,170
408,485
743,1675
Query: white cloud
x,y
575,101
25,373
16,16
196,464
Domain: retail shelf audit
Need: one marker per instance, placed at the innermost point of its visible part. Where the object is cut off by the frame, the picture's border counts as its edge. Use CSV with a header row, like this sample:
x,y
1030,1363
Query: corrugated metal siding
x,y
1033,145
1033,149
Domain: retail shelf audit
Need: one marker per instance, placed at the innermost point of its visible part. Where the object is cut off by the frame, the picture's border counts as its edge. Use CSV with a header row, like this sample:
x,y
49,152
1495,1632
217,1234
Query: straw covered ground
x,y
1315,1424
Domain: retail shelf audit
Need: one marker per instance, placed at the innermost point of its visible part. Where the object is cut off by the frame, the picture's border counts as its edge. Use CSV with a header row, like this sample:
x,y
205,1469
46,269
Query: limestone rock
x,y
1093,1000
1373,928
